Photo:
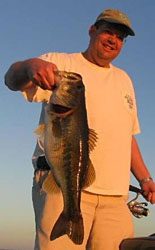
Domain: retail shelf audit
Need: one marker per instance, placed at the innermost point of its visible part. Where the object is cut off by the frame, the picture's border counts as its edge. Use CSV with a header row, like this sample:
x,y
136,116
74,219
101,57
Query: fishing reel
x,y
138,209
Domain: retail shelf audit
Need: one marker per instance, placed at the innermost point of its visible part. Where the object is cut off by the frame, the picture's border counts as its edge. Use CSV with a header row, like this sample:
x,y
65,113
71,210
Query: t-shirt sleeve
x,y
36,94
130,100
136,125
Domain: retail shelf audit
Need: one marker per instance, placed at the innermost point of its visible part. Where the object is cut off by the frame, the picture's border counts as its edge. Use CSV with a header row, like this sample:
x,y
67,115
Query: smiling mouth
x,y
107,47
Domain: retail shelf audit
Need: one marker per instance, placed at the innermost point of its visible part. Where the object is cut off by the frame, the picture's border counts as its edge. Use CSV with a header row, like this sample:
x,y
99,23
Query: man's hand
x,y
25,74
41,73
148,189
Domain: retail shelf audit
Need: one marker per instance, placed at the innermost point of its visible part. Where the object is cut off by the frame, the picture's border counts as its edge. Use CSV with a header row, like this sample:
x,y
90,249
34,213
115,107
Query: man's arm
x,y
141,172
25,74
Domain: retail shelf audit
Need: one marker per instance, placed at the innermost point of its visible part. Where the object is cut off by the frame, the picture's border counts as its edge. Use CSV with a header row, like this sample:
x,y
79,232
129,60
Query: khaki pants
x,y
107,220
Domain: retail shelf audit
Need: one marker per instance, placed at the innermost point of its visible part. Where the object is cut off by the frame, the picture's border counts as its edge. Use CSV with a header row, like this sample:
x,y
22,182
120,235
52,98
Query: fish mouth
x,y
61,110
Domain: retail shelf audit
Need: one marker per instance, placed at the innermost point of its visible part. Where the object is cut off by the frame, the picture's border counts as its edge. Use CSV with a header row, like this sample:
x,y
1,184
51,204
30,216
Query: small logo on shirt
x,y
129,101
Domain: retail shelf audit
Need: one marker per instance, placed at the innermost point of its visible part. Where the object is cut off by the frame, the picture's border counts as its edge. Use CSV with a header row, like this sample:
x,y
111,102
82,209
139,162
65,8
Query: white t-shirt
x,y
112,113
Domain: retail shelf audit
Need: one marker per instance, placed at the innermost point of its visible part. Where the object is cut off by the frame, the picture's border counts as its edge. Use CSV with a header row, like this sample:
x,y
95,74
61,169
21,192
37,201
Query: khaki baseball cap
x,y
116,16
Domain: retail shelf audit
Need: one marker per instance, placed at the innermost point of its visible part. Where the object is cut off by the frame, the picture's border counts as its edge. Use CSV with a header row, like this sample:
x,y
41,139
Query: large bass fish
x,y
67,143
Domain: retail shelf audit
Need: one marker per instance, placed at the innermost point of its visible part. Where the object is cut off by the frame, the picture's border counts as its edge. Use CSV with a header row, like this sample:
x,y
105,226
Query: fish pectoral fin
x,y
50,185
74,229
90,176
92,139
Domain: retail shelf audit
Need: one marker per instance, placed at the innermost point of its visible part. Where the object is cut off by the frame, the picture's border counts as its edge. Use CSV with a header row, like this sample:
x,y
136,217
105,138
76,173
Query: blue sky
x,y
30,28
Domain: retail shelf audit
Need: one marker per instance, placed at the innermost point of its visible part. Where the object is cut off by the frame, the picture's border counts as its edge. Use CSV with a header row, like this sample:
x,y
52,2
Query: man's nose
x,y
112,39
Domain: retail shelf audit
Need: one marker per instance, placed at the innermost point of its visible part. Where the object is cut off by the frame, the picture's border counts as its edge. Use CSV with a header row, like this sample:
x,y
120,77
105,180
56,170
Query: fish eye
x,y
79,86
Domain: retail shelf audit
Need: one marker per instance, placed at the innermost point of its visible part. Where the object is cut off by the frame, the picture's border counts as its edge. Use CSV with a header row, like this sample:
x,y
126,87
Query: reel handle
x,y
137,208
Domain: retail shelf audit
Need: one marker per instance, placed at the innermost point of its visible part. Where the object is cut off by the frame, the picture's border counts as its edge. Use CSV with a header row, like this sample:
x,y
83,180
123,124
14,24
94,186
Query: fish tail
x,y
74,229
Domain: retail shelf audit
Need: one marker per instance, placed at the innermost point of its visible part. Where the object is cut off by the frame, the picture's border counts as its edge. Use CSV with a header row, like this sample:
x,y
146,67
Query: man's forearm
x,y
138,166
17,78
30,73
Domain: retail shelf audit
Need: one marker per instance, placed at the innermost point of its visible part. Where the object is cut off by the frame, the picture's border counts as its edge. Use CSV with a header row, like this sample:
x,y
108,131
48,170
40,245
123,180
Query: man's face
x,y
106,42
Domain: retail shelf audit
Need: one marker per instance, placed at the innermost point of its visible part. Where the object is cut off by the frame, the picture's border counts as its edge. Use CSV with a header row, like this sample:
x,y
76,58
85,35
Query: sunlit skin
x,y
106,42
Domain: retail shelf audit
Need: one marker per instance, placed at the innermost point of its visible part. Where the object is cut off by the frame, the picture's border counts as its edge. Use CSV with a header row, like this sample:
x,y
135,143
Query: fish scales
x,y
66,149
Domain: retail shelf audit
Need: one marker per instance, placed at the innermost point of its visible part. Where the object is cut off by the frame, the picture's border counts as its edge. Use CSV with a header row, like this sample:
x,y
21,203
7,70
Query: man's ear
x,y
92,29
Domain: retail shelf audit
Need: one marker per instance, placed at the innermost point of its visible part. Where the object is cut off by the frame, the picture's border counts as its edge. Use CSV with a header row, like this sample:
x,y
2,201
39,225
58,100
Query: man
x,y
111,110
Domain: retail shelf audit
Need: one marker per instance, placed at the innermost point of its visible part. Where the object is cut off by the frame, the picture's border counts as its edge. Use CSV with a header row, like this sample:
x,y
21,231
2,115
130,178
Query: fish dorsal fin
x,y
90,176
50,185
92,139
40,132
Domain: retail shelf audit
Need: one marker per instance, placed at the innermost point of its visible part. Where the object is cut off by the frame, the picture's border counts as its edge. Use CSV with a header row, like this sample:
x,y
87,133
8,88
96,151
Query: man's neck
x,y
102,64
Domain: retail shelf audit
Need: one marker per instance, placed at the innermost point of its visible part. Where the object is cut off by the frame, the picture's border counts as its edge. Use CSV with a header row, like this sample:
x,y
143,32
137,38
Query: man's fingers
x,y
45,81
152,197
149,197
145,194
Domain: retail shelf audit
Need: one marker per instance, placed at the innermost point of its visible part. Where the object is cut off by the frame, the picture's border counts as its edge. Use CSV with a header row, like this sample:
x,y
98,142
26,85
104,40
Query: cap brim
x,y
129,30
